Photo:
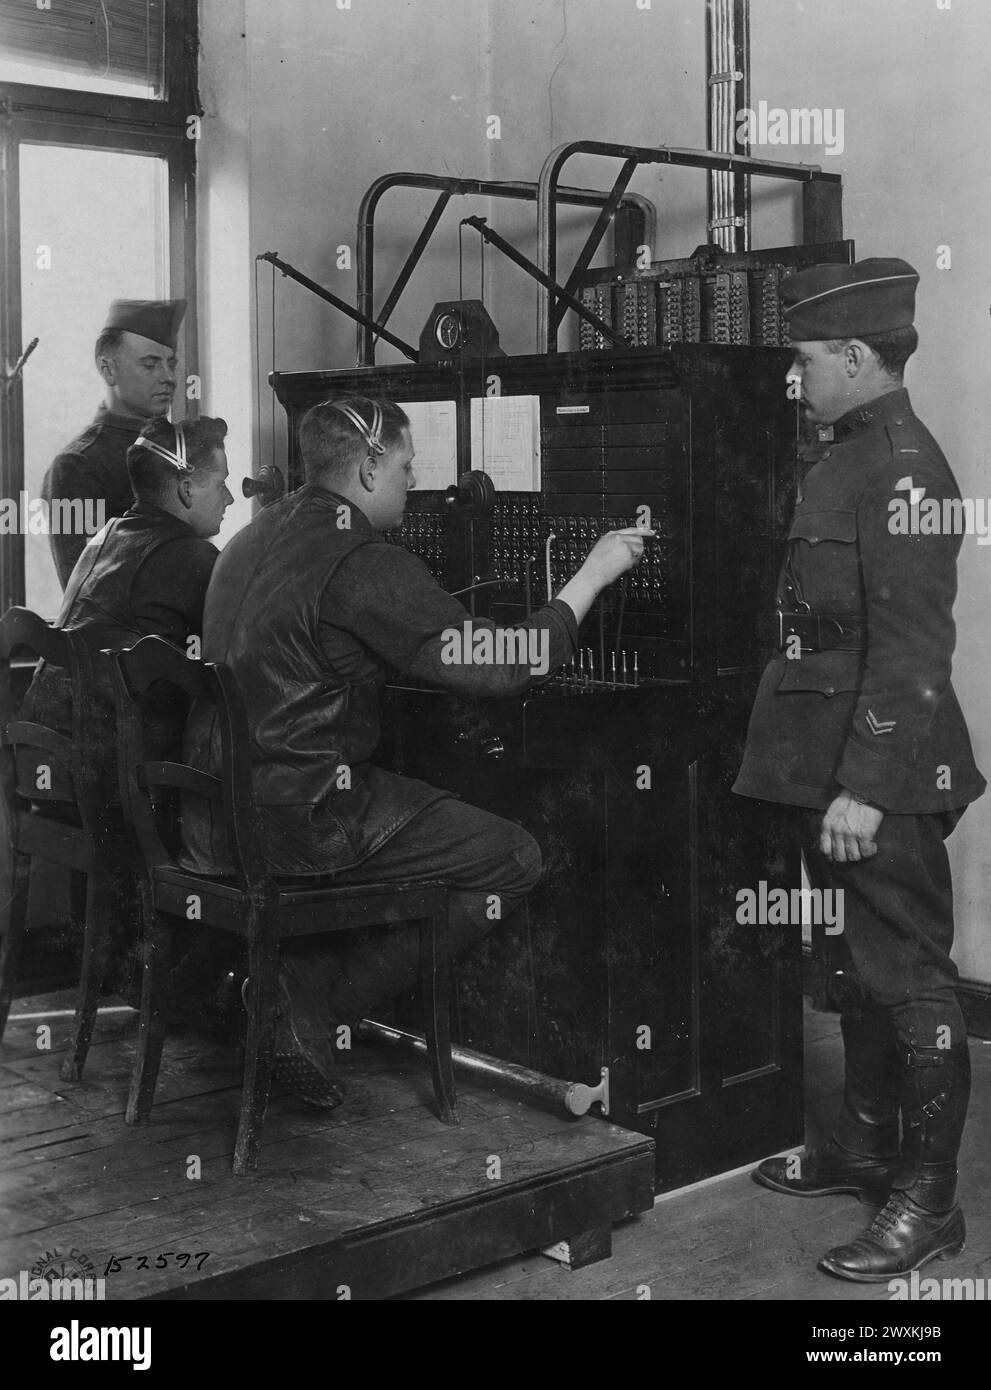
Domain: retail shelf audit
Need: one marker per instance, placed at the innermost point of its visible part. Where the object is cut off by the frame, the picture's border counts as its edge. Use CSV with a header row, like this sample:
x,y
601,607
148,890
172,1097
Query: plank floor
x,y
381,1169
729,1239
72,1176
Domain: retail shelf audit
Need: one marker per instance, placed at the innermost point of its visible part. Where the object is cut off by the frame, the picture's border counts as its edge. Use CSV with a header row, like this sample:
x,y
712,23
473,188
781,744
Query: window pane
x,y
114,46
94,227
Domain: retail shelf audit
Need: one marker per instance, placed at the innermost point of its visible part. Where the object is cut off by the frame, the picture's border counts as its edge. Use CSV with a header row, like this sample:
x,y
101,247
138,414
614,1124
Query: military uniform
x,y
93,467
859,699
859,696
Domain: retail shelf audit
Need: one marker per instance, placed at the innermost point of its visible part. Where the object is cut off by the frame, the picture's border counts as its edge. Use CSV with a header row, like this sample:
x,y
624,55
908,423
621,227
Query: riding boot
x,y
921,1219
862,1155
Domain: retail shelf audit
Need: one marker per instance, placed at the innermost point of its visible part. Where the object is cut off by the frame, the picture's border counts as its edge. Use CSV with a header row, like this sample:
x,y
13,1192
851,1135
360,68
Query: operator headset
x,y
178,459
371,434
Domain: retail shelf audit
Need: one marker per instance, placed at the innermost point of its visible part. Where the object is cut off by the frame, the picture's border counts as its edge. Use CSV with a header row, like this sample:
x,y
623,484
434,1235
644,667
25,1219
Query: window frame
x,y
94,120
172,108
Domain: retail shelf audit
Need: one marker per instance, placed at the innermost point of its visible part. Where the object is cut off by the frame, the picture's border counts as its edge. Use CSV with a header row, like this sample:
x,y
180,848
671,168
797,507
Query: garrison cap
x,y
157,319
849,301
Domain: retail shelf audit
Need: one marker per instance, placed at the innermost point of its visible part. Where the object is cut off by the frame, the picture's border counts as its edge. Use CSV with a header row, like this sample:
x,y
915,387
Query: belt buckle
x,y
807,613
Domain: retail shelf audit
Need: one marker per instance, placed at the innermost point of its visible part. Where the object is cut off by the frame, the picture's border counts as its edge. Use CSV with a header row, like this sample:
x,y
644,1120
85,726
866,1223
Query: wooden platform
x,y
730,1241
375,1199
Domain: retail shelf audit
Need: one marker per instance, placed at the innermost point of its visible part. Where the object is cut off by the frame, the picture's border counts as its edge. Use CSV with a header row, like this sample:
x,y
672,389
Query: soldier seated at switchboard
x,y
144,573
309,606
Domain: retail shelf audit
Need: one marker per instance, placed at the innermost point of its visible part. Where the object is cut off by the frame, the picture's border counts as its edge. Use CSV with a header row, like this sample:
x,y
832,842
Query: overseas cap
x,y
849,301
157,319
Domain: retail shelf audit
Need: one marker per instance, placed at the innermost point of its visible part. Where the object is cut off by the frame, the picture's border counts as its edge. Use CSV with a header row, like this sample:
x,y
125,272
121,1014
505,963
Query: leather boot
x,y
303,1063
921,1219
862,1155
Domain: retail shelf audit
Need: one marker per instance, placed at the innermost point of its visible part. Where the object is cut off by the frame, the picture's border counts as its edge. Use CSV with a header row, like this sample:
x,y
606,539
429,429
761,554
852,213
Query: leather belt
x,y
823,632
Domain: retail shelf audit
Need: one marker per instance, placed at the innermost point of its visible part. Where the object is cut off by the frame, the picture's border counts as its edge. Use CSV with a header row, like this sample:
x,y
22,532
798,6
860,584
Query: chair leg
x,y
436,991
13,921
155,999
259,1053
96,948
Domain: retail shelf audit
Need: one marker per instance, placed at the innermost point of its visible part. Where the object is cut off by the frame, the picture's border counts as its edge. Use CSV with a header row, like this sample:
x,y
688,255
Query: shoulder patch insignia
x,y
915,494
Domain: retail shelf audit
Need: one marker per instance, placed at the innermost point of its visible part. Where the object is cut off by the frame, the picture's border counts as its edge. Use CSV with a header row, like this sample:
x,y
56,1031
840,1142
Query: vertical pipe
x,y
728,87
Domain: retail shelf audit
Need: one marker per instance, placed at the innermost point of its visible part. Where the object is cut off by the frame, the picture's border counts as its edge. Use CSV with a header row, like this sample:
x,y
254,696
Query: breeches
x,y
488,863
894,950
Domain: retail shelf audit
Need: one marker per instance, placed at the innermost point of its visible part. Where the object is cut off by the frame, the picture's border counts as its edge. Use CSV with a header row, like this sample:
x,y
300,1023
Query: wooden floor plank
x,y
75,1177
731,1239
72,1175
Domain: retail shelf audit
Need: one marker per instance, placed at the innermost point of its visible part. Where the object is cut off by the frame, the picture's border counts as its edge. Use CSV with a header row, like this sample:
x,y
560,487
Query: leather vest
x,y
311,709
97,602
97,598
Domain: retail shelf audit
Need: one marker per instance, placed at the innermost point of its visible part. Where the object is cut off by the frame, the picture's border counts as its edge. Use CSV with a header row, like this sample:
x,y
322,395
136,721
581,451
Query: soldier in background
x,y
145,573
856,726
136,357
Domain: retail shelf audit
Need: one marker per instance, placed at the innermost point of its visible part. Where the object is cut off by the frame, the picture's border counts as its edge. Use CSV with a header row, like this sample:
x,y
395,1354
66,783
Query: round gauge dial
x,y
448,329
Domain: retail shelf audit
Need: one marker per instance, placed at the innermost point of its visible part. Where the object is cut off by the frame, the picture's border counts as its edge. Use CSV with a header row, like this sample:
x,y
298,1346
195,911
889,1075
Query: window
x,y
97,204
111,46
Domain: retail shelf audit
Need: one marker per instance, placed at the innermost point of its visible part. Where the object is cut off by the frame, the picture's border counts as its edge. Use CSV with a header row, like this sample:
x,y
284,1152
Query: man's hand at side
x,y
849,830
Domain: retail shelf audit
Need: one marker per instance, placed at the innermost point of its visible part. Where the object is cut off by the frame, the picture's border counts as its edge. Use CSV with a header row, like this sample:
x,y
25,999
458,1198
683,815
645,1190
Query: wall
x,y
308,102
319,101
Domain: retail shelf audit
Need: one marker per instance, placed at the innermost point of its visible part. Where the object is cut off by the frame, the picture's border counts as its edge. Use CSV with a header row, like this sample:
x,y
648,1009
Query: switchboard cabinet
x,y
629,955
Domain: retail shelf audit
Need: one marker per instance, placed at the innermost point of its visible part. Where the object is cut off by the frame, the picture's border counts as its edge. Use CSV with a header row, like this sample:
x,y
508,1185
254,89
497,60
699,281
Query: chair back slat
x,y
23,733
152,660
20,629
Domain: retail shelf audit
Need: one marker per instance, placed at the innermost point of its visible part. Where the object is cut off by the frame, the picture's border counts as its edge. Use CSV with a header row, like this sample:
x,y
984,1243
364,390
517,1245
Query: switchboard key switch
x,y
770,307
604,309
691,309
587,334
647,312
672,312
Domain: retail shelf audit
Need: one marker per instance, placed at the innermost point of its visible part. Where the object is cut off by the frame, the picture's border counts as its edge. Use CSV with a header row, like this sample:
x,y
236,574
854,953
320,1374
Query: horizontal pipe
x,y
572,1096
549,197
491,188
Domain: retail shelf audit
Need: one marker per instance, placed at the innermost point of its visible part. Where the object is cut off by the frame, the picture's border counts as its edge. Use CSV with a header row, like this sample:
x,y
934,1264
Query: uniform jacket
x,y
311,614
93,466
883,722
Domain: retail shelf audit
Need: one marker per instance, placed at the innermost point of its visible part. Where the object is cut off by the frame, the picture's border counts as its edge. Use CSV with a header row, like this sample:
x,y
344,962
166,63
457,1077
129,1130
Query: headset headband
x,y
371,434
178,460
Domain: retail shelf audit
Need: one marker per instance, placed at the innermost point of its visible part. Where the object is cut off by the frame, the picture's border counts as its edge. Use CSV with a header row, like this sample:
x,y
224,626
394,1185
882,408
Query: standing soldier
x,y
856,726
135,355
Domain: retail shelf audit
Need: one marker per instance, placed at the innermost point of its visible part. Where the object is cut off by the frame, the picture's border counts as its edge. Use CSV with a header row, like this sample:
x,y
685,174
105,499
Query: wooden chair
x,y
249,904
42,770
